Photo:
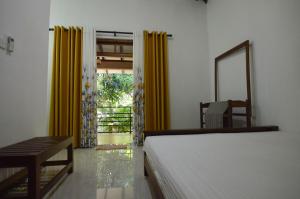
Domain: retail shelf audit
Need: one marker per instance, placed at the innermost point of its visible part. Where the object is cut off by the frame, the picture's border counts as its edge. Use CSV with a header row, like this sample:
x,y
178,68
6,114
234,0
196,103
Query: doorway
x,y
114,90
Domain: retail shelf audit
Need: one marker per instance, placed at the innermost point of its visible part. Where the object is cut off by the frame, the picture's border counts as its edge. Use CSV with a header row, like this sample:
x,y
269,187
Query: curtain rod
x,y
125,33
113,32
52,29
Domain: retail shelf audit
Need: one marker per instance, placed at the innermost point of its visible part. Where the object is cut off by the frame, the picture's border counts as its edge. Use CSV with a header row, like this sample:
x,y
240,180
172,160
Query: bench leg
x,y
34,176
70,157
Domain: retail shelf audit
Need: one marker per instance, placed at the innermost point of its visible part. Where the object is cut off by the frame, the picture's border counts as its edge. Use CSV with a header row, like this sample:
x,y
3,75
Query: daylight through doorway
x,y
114,91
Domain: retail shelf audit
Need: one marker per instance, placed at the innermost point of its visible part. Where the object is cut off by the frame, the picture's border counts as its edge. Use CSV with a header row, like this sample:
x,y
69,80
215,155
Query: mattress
x,y
263,165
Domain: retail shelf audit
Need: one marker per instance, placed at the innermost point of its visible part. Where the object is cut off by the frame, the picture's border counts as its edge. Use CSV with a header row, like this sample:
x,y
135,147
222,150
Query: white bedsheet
x,y
227,166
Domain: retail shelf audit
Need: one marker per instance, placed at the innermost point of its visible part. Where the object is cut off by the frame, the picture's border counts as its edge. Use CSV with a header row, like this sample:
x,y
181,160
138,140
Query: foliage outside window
x,y
114,102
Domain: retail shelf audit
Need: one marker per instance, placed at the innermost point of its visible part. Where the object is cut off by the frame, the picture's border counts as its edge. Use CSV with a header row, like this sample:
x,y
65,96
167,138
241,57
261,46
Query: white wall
x,y
23,74
273,27
188,53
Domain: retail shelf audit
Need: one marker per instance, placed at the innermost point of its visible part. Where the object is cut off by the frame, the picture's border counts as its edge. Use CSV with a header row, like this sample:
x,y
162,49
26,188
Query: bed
x,y
223,165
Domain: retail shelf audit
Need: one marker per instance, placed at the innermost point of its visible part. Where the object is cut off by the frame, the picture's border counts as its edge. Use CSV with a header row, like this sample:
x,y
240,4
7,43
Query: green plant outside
x,y
114,102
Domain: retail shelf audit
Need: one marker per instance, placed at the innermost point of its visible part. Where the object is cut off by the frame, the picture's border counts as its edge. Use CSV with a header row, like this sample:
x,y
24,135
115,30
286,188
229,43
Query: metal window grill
x,y
114,119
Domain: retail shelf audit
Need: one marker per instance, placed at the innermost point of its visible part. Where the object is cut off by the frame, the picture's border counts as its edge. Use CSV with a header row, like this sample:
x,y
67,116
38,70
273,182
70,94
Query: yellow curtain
x,y
156,89
65,119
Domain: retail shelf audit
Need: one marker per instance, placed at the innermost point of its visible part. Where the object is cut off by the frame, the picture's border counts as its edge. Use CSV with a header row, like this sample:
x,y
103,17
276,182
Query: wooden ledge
x,y
208,131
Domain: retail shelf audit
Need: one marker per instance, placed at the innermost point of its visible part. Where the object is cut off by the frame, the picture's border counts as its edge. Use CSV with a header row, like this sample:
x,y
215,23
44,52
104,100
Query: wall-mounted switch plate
x,y
7,43
10,44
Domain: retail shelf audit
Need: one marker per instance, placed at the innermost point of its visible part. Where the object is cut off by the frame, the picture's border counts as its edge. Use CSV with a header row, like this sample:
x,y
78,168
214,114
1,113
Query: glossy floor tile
x,y
114,174
114,138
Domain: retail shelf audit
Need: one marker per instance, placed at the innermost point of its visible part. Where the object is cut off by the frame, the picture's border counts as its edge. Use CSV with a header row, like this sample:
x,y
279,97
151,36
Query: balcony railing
x,y
114,119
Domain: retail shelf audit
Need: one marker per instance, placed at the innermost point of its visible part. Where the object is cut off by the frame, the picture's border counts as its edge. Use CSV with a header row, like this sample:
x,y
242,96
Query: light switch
x,y
10,44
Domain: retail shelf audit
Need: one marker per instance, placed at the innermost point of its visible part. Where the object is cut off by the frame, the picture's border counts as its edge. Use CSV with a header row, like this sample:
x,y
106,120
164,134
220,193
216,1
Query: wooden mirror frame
x,y
247,103
245,45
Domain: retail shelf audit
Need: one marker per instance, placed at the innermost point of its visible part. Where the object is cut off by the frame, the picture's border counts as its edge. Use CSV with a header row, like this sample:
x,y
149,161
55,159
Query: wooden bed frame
x,y
148,171
228,128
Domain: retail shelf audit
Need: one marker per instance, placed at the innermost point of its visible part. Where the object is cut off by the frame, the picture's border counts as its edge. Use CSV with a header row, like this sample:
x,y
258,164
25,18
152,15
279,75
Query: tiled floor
x,y
114,138
115,174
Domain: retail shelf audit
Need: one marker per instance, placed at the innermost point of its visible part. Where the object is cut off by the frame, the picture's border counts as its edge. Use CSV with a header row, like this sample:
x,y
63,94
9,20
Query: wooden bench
x,y
32,155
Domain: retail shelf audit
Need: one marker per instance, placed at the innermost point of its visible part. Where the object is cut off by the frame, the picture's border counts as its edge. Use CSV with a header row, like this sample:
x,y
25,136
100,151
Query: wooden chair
x,y
229,113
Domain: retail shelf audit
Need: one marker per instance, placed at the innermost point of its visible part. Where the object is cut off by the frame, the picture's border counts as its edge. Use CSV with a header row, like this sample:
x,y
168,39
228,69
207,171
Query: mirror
x,y
232,74
232,78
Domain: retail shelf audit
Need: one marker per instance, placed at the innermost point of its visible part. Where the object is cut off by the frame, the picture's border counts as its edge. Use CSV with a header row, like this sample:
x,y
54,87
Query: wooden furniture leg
x,y
145,169
34,177
70,157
